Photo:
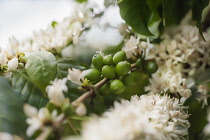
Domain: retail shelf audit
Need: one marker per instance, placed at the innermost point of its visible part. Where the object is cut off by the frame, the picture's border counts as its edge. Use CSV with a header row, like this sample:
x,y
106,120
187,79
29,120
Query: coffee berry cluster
x,y
120,71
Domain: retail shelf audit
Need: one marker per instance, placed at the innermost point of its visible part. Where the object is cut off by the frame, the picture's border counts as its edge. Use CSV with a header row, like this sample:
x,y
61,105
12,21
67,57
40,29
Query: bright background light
x,y
21,17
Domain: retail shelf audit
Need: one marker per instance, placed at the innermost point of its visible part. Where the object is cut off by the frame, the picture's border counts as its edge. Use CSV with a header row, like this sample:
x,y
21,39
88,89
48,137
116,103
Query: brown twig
x,y
90,92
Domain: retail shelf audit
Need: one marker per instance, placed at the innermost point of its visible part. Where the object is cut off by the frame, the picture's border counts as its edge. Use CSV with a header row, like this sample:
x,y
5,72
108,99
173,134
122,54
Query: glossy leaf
x,y
30,92
197,9
12,118
41,68
137,14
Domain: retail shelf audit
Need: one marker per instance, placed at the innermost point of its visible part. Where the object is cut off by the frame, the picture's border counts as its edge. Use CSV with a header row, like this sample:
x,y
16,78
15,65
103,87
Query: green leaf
x,y
197,117
137,14
197,10
12,118
174,11
64,64
41,68
31,94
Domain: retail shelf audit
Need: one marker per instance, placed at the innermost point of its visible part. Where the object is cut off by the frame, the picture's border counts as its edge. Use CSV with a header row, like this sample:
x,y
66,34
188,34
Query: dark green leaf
x,y
41,68
197,9
12,118
31,94
137,14
197,117
174,11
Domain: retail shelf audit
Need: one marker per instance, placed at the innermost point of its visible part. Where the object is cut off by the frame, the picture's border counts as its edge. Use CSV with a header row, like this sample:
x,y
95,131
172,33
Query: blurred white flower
x,y
146,117
37,119
3,59
203,90
206,129
75,76
81,110
55,91
13,64
7,136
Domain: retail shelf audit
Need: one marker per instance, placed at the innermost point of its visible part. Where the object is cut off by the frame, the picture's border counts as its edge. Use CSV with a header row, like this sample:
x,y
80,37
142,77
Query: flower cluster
x,y
55,38
181,56
144,117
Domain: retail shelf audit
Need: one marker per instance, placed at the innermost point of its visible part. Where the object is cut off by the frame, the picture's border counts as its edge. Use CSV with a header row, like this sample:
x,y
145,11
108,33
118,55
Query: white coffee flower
x,y
76,76
13,64
38,119
166,80
146,117
131,47
55,91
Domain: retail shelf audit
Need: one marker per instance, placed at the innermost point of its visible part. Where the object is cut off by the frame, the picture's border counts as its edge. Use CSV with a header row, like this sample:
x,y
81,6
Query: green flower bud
x,y
117,86
151,67
118,57
123,68
108,60
92,74
97,61
108,72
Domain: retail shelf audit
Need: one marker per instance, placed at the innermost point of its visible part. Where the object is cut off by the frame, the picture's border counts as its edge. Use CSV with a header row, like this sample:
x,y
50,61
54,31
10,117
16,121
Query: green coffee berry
x,y
97,61
92,74
105,89
108,72
108,60
123,68
151,67
140,62
118,57
131,79
117,86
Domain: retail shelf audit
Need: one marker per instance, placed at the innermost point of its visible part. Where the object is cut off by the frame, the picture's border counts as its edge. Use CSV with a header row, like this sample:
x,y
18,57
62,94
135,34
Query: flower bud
x,y
81,110
13,64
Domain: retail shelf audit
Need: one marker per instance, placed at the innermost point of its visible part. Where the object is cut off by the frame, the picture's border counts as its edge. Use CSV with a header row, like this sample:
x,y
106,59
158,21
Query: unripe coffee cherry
x,y
92,74
118,57
108,72
108,60
97,61
140,62
105,89
117,86
151,67
131,79
123,68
